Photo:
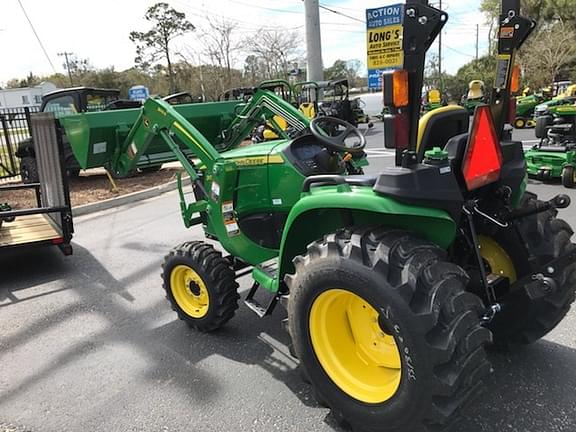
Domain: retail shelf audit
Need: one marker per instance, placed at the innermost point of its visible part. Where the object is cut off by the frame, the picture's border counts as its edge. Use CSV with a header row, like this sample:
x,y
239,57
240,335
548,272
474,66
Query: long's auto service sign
x,y
383,41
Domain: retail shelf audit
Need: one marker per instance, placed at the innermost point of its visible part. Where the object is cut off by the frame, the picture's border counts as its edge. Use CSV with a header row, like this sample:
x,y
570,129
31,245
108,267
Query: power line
x,y
344,8
342,14
37,37
457,51
245,25
263,7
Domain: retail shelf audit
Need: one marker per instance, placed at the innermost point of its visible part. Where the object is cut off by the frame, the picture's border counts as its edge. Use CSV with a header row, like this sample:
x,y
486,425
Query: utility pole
x,y
66,54
315,68
440,55
477,35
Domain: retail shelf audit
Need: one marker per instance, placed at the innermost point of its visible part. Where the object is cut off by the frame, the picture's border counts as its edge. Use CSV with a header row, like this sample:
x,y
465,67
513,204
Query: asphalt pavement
x,y
89,343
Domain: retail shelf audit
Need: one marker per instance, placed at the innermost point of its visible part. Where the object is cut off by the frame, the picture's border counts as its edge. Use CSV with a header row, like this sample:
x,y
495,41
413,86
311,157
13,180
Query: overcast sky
x,y
98,30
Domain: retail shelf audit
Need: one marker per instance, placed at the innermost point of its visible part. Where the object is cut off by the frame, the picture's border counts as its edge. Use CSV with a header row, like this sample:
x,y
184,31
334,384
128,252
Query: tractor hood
x,y
256,154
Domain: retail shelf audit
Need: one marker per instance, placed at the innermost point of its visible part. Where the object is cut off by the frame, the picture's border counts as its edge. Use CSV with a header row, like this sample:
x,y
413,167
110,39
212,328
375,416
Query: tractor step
x,y
264,276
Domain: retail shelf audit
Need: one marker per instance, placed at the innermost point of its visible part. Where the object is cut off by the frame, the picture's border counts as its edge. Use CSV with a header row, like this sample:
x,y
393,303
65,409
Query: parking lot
x,y
88,343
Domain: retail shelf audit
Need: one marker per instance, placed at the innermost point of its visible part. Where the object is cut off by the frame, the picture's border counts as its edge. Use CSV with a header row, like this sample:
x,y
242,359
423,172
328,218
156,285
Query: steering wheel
x,y
338,141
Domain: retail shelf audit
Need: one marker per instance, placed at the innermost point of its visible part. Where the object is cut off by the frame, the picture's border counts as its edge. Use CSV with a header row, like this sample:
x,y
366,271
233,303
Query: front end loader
x,y
394,284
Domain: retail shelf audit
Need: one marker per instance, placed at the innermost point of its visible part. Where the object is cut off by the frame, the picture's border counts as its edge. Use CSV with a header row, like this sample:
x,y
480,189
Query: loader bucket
x,y
95,137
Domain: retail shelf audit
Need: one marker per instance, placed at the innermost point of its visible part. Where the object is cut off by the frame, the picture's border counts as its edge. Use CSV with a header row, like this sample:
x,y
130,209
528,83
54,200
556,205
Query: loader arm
x,y
159,119
263,106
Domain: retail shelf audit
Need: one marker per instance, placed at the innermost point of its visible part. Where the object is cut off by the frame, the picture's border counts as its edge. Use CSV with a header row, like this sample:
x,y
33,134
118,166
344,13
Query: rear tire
x,y
568,180
422,309
200,285
150,169
519,123
542,123
537,240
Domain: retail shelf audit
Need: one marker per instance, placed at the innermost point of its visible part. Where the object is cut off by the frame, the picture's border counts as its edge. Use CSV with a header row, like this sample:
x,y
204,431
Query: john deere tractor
x,y
475,96
525,107
432,100
394,284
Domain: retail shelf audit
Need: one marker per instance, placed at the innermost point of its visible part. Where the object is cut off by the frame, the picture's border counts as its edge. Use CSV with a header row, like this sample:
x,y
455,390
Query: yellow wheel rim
x,y
358,356
189,291
497,258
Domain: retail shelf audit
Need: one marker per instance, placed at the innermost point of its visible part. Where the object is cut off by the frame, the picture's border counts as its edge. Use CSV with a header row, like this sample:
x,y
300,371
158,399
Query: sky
x,y
98,30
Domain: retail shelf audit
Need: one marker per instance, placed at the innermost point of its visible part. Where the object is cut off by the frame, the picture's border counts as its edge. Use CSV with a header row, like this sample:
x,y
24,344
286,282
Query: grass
x,y
18,131
4,158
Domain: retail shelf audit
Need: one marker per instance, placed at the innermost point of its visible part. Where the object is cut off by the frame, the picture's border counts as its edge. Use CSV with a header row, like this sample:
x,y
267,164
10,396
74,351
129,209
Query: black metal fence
x,y
14,127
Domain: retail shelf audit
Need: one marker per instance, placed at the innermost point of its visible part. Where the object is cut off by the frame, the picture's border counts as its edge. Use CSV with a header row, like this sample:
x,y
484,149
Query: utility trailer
x,y
49,223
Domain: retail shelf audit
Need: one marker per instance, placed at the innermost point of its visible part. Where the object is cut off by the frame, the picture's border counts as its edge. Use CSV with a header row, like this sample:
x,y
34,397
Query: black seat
x,y
439,125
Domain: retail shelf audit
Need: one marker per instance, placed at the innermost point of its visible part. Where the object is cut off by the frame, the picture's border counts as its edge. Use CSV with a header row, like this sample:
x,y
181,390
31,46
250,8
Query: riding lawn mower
x,y
554,156
394,284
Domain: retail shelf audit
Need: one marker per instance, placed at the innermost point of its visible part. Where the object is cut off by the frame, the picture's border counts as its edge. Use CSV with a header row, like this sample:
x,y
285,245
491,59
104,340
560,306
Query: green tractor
x,y
554,157
432,100
330,98
394,284
475,96
565,95
525,107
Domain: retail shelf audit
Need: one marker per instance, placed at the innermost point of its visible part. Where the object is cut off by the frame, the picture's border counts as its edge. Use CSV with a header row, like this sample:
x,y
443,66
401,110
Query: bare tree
x,y
220,45
191,54
154,45
273,52
549,53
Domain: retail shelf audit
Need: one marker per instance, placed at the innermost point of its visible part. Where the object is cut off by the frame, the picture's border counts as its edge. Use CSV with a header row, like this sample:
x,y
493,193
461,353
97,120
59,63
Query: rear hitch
x,y
541,286
560,201
491,312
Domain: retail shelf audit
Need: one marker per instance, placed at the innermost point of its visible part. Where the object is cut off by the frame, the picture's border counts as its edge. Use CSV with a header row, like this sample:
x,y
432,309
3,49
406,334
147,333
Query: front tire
x,y
200,285
568,180
520,123
385,331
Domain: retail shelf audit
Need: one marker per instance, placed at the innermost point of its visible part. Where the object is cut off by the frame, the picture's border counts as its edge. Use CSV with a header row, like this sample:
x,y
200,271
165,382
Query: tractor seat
x,y
476,90
434,97
438,126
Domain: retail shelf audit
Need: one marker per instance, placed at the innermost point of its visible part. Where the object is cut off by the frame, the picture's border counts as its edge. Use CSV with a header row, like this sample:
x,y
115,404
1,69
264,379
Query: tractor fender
x,y
326,209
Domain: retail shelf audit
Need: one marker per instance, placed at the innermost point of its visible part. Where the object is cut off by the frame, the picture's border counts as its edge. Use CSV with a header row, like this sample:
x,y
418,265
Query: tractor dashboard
x,y
311,158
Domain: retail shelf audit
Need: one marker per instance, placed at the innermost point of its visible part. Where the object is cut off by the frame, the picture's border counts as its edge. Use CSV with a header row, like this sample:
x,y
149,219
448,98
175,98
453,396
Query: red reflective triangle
x,y
483,158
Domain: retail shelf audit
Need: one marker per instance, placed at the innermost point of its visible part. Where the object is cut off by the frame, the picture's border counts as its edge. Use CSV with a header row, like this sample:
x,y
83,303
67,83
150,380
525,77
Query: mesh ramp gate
x,y
50,222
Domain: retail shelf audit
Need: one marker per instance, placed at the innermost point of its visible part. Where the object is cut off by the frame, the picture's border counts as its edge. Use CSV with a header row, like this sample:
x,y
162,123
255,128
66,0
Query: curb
x,y
125,199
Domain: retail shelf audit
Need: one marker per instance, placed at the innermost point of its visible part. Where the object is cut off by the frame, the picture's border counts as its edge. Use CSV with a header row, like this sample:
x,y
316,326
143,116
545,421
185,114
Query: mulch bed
x,y
93,186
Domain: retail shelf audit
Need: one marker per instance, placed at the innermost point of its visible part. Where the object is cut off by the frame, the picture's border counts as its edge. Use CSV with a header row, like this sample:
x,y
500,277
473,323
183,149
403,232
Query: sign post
x,y
384,42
